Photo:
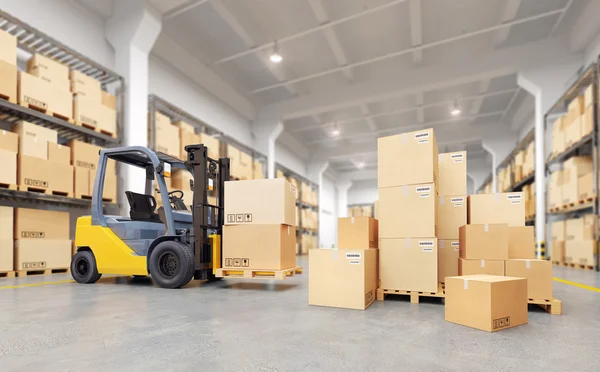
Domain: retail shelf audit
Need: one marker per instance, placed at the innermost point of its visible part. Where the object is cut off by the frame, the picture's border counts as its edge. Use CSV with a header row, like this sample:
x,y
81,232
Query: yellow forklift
x,y
171,244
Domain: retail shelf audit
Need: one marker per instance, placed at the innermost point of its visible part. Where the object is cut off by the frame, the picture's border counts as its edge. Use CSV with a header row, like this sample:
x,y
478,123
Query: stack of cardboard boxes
x,y
573,184
504,181
84,158
407,176
529,197
89,107
259,231
241,163
8,67
576,124
452,210
308,195
346,277
580,243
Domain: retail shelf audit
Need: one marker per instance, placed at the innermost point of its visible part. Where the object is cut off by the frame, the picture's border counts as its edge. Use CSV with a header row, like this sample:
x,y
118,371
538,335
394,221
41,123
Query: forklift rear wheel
x,y
172,264
83,268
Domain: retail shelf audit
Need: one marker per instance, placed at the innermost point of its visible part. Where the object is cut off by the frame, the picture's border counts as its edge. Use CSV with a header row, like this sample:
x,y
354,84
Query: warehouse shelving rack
x,y
588,145
31,40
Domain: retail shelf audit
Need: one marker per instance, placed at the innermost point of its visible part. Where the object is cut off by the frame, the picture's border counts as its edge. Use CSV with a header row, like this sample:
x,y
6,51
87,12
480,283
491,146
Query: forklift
x,y
171,244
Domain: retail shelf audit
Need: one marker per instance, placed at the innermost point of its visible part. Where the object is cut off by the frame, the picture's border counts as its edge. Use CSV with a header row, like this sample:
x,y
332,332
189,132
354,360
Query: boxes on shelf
x,y
166,135
521,243
308,242
557,229
452,173
34,139
408,211
529,161
580,228
538,274
53,254
241,163
41,224
409,264
35,174
557,253
572,131
448,254
6,238
41,95
8,81
581,252
489,303
496,208
484,242
483,267
213,144
309,219
49,70
451,215
358,232
587,121
345,278
586,187
558,136
108,100
258,171
555,192
9,145
8,48
86,86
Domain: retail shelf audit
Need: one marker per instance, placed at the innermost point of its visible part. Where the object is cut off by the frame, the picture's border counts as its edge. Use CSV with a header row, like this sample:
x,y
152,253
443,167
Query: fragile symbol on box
x,y
228,262
501,322
36,183
248,217
245,262
237,262
33,234
231,218
239,217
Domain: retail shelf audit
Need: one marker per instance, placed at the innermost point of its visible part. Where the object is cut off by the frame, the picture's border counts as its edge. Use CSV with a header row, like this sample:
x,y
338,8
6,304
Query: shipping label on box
x,y
452,171
484,267
448,253
409,264
451,215
486,241
506,208
41,224
408,211
358,232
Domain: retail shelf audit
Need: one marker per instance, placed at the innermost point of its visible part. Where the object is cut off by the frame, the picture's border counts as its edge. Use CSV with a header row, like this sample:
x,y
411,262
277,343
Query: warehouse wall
x,y
363,192
328,215
288,159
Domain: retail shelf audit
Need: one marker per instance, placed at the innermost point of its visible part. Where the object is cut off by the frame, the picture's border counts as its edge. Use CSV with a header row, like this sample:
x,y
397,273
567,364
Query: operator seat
x,y
142,207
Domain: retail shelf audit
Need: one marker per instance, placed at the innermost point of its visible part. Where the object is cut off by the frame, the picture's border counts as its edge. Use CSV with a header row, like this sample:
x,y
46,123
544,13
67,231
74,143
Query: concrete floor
x,y
235,325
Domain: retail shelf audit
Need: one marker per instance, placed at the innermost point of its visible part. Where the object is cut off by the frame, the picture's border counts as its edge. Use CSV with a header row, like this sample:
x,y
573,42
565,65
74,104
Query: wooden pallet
x,y
585,201
258,274
580,266
559,263
8,186
83,196
42,272
45,191
8,98
95,129
552,307
7,274
47,112
414,295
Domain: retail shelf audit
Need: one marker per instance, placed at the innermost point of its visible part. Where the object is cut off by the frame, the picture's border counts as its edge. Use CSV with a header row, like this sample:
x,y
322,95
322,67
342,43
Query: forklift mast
x,y
206,218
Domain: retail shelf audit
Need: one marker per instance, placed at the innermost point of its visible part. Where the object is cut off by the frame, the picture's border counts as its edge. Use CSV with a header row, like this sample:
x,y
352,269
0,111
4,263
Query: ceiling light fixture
x,y
360,165
336,130
275,57
455,109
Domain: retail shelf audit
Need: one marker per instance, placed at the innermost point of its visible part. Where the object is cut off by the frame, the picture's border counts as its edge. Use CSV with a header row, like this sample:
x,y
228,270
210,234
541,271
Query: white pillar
x,y
272,143
342,196
132,32
499,148
265,131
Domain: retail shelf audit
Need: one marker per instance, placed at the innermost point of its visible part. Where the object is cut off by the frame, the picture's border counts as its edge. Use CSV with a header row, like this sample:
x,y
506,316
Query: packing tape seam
x,y
486,227
441,199
441,244
466,284
483,264
407,242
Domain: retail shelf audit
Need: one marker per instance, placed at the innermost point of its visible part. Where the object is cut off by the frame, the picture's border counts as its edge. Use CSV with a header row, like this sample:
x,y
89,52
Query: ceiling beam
x,y
560,18
331,37
510,103
416,28
237,27
509,13
483,88
364,109
183,8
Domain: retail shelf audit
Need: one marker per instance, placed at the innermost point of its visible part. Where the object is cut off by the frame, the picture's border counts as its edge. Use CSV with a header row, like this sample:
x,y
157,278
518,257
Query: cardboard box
x,y
586,187
49,69
213,144
83,182
506,208
484,242
376,209
489,303
558,136
186,138
258,171
538,274
245,166
8,81
9,141
484,267
31,255
576,106
407,159
86,111
452,173
8,174
107,123
86,86
557,229
8,48
41,224
41,174
273,247
6,239
84,155
109,193
558,251
587,121
577,229
271,201
166,135
345,278
572,132
358,233
6,255
108,100
34,139
408,211
409,264
555,197
521,242
580,252
36,93
448,253
588,96
59,153
451,215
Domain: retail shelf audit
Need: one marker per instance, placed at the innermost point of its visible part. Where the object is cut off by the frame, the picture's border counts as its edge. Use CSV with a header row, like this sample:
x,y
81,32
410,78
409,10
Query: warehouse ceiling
x,y
331,49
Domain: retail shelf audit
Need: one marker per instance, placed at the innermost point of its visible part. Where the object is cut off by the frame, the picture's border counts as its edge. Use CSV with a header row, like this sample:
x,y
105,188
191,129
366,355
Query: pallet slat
x,y
8,274
258,274
414,295
552,307
21,273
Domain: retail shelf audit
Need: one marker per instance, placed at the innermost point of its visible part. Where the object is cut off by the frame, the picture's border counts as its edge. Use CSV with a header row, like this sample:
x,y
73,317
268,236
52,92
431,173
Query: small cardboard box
x,y
557,229
538,274
557,251
448,253
83,182
489,303
53,254
451,215
84,155
86,111
41,174
407,159
59,153
8,174
358,233
506,208
271,201
9,141
41,224
41,95
521,242
580,252
573,132
452,173
108,100
273,247
484,242
408,211
8,48
46,67
409,264
34,139
485,267
8,81
86,86
345,278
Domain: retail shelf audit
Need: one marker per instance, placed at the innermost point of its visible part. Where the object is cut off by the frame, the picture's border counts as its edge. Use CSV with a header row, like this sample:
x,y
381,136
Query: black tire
x,y
172,264
84,269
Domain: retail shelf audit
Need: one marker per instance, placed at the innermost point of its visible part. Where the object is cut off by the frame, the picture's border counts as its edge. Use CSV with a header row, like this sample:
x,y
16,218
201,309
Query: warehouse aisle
x,y
123,324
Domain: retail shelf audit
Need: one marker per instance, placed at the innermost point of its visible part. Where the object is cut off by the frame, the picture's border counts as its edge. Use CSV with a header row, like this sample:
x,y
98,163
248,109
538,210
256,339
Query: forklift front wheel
x,y
83,268
172,264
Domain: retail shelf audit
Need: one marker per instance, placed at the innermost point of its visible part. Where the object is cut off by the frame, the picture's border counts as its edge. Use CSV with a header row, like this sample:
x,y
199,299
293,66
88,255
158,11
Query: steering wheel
x,y
178,194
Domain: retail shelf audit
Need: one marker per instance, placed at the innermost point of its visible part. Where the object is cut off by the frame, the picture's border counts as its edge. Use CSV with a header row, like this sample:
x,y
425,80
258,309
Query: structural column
x,y
342,197
266,132
499,148
132,32
316,169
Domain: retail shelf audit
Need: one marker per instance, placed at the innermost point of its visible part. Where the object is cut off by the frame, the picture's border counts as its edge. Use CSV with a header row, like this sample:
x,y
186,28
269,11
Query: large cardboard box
x,y
408,211
452,173
41,224
36,93
557,229
586,187
358,233
84,155
7,223
34,139
407,159
9,141
8,81
6,255
555,196
538,274
409,264
83,182
557,254
8,174
59,153
506,208
345,278
489,303
8,48
572,132
49,70
108,121
167,139
578,229
448,253
86,86
108,100
6,239
484,267
451,215
271,201
259,247
580,252
53,254
484,242
521,242
40,174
